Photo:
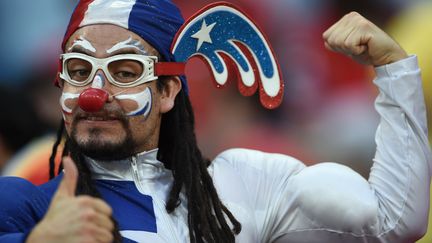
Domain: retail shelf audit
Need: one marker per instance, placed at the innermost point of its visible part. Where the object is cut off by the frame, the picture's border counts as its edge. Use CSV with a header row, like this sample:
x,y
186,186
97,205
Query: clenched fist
x,y
73,219
357,37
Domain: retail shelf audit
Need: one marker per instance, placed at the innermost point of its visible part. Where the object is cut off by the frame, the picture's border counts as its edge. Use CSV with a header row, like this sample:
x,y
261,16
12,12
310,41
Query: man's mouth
x,y
98,117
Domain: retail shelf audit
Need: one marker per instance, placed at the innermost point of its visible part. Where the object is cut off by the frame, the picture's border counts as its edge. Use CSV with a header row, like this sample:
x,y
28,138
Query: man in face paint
x,y
129,121
136,171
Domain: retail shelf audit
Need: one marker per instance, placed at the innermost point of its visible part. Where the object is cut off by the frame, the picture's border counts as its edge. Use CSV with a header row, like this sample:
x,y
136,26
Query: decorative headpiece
x,y
221,34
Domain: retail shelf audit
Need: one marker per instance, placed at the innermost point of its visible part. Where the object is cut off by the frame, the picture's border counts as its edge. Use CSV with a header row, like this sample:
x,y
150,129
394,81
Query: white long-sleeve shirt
x,y
329,202
275,197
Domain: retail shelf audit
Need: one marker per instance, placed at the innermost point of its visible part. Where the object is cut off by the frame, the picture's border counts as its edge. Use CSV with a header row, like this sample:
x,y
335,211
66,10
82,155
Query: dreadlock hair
x,y
179,152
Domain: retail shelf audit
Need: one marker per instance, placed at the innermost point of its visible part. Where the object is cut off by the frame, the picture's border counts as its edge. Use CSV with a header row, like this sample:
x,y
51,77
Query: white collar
x,y
148,166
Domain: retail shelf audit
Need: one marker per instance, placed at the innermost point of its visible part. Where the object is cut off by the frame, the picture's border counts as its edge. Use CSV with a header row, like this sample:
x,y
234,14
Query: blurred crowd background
x,y
327,113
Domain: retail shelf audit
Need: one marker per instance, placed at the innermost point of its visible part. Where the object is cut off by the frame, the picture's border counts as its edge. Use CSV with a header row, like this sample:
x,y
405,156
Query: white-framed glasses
x,y
125,70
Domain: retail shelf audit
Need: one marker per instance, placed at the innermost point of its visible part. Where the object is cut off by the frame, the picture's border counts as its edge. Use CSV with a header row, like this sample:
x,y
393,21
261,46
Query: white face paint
x,y
143,99
81,41
98,81
67,96
129,43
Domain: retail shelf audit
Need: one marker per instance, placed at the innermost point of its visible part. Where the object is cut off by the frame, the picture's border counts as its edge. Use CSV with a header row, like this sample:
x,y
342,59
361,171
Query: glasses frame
x,y
148,63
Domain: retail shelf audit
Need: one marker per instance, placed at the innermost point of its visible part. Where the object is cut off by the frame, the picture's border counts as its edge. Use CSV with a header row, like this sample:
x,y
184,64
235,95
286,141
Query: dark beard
x,y
104,150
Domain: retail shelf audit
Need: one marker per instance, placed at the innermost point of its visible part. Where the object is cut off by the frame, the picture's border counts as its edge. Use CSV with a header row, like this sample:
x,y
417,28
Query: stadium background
x,y
327,111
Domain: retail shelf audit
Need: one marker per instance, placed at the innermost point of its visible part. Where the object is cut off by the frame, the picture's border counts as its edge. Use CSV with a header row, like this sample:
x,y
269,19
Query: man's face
x,y
129,122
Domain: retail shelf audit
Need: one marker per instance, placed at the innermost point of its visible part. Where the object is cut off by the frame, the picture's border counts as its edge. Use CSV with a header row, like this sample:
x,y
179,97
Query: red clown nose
x,y
92,100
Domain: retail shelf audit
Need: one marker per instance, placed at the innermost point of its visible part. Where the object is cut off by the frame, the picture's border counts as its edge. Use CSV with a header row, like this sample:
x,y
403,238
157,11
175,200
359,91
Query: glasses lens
x,y
126,71
78,69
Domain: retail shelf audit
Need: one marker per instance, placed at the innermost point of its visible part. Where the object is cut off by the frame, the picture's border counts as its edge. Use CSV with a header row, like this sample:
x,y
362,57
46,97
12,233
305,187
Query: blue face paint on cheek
x,y
143,100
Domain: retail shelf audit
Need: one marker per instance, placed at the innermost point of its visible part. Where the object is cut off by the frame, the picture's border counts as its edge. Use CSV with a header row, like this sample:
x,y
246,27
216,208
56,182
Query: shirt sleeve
x,y
329,202
22,205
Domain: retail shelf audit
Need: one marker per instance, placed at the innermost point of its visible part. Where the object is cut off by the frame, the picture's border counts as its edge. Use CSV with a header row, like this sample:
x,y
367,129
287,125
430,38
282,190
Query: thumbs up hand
x,y
73,218
358,38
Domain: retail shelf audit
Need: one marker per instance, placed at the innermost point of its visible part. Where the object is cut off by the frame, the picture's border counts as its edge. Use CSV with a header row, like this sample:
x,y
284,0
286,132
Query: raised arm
x,y
329,202
392,206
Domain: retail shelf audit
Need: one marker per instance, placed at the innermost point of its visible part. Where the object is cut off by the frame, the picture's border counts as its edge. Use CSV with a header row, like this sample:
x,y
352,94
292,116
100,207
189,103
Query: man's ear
x,y
169,92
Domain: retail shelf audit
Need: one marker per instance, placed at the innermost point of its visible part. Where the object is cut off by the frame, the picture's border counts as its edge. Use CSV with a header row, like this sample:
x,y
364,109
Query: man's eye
x,y
125,75
80,74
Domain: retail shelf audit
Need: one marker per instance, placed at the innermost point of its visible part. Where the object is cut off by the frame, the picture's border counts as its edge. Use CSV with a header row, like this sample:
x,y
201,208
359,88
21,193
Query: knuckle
x,y
105,206
88,214
339,43
347,44
109,209
354,14
351,15
110,237
88,231
110,225
364,23
326,36
85,234
331,40
84,201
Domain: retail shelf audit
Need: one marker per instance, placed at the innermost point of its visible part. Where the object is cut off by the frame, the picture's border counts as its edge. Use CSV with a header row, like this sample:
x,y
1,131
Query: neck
x,y
122,169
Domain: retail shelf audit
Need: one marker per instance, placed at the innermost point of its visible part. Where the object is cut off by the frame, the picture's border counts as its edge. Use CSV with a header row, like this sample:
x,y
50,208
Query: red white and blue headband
x,y
221,34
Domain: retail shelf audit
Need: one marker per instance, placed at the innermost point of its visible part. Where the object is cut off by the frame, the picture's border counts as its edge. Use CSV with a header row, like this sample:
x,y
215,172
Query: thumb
x,y
68,184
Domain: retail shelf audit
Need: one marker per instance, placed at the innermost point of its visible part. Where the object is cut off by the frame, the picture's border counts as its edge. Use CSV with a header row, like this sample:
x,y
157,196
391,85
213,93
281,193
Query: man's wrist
x,y
397,68
397,56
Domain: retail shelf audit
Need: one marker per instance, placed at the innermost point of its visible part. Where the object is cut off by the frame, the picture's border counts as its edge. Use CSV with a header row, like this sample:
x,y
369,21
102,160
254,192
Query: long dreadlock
x,y
179,152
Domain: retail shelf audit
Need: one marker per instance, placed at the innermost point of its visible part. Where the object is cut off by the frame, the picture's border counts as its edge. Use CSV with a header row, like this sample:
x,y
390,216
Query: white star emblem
x,y
203,35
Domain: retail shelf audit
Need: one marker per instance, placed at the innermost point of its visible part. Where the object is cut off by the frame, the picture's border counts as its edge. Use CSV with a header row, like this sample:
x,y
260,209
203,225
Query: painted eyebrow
x,y
127,50
84,44
80,49
129,44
